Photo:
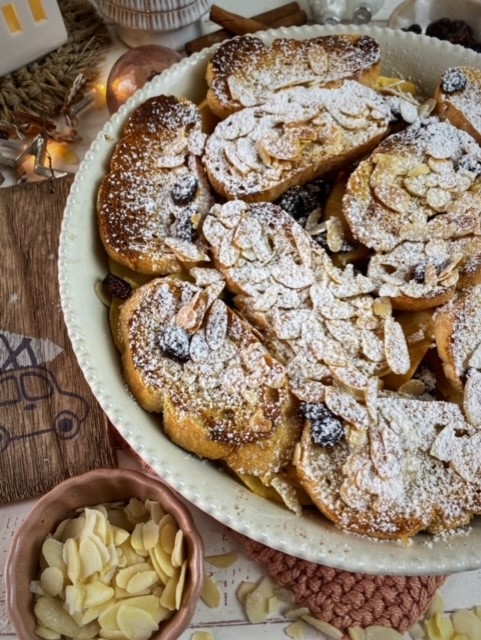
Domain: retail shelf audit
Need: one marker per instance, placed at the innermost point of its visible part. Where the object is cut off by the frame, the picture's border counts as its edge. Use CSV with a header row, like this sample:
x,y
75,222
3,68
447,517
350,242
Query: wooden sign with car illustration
x,y
51,426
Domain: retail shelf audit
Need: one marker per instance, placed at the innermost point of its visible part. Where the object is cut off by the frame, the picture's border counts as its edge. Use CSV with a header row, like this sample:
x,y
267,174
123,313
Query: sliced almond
x,y
210,593
168,530
168,597
90,558
135,623
179,589
136,511
357,633
141,582
52,552
467,622
71,558
51,615
439,626
52,581
164,560
296,630
244,589
224,560
318,59
216,327
472,397
74,598
393,197
397,352
96,594
256,604
47,634
124,575
177,556
150,534
137,539
326,628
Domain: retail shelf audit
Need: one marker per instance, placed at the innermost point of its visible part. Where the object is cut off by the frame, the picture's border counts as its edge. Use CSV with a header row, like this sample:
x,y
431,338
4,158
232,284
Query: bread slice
x,y
245,72
413,467
316,318
415,187
299,134
156,191
425,275
458,338
222,396
457,99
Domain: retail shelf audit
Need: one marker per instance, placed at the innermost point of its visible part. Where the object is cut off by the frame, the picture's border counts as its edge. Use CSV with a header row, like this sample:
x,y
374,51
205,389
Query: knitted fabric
x,y
346,599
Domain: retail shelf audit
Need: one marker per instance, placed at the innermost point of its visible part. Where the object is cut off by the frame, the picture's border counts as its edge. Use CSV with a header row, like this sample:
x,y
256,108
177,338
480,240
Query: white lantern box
x,y
28,30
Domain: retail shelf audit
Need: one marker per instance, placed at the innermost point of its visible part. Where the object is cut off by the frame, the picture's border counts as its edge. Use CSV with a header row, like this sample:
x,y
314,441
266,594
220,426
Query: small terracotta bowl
x,y
96,487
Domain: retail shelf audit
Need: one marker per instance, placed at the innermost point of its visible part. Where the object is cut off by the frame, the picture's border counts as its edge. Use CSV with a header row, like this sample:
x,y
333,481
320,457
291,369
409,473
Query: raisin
x,y
117,287
413,28
439,28
454,31
320,188
321,239
439,32
182,227
175,343
452,81
444,22
461,28
418,272
326,428
471,163
298,202
184,189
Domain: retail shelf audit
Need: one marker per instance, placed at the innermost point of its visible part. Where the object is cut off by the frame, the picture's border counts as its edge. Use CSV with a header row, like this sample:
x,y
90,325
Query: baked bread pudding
x,y
295,280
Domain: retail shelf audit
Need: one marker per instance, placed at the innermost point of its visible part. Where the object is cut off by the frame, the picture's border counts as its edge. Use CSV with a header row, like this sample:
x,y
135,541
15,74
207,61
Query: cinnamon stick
x,y
238,25
288,15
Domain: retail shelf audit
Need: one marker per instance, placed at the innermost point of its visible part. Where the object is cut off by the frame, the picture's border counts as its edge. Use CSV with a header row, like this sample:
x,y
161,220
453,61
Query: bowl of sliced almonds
x,y
112,553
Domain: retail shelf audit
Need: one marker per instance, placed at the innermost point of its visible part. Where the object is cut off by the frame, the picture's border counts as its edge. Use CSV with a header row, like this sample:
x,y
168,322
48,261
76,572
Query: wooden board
x,y
51,426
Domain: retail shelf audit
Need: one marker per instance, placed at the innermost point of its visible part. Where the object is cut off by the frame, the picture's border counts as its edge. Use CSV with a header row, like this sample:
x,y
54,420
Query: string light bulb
x,y
134,69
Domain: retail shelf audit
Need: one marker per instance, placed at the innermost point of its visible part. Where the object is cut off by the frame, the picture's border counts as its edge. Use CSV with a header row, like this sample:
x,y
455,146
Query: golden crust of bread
x,y
245,72
155,191
187,355
457,96
407,472
457,334
258,153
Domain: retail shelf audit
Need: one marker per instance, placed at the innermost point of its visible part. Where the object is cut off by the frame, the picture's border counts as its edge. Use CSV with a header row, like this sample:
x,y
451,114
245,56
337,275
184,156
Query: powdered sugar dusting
x,y
156,190
227,386
246,72
314,317
297,130
397,481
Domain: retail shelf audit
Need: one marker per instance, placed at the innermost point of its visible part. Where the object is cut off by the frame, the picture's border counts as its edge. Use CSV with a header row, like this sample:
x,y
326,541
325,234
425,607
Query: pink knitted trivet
x,y
338,597
346,599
